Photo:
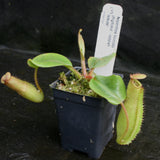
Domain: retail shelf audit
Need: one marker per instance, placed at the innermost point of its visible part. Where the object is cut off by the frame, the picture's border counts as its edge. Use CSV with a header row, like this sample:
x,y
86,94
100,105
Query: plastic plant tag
x,y
108,36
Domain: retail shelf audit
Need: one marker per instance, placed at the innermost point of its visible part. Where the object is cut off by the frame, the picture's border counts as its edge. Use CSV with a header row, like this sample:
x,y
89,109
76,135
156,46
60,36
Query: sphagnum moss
x,y
74,85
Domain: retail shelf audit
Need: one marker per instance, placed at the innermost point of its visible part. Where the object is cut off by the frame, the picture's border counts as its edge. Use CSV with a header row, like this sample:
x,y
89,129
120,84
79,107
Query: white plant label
x,y
108,36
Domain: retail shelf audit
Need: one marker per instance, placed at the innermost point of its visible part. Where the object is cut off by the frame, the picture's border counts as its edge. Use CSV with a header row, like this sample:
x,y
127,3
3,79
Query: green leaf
x,y
111,88
47,60
94,62
81,43
30,64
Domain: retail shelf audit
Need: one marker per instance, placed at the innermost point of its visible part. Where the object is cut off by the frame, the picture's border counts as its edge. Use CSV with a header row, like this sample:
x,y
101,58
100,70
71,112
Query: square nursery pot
x,y
86,124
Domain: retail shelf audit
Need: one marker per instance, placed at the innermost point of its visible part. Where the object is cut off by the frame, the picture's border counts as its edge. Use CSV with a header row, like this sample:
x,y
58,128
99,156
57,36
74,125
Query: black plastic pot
x,y
86,124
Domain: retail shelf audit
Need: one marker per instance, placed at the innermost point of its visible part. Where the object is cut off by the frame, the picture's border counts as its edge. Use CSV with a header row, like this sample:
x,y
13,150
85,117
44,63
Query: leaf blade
x,y
30,64
111,88
81,43
94,62
47,60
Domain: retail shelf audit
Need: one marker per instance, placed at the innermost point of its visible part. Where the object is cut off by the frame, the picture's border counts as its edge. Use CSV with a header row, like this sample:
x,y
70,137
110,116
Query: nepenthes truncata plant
x,y
112,88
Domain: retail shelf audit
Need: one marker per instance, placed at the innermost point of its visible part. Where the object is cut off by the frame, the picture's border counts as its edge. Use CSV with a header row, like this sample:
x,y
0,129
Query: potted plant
x,y
86,103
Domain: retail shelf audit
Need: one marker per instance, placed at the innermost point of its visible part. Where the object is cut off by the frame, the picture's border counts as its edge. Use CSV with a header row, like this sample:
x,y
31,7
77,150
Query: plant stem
x,y
77,74
36,79
90,74
83,65
127,120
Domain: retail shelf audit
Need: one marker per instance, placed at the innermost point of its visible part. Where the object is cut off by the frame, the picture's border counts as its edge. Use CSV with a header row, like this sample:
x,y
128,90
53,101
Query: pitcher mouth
x,y
6,77
136,83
